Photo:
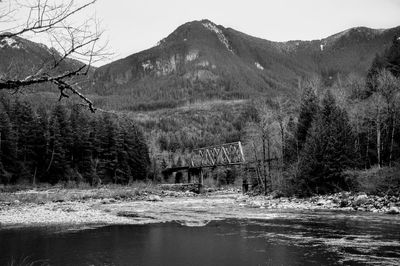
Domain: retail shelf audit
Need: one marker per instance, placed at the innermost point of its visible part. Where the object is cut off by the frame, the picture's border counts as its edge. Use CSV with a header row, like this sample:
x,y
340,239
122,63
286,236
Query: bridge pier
x,y
201,178
201,181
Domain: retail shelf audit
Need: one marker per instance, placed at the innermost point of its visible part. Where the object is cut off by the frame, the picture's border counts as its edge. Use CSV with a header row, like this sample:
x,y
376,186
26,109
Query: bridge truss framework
x,y
228,154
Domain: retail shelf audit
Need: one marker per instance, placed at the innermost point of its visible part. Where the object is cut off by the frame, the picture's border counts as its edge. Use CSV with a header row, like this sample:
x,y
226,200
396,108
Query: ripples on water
x,y
300,238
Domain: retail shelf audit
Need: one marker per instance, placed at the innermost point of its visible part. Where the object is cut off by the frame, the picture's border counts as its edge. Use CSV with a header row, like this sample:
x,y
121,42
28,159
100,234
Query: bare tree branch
x,y
55,22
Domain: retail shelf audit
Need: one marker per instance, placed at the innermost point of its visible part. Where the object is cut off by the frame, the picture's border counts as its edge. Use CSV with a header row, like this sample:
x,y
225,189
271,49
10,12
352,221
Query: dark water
x,y
309,239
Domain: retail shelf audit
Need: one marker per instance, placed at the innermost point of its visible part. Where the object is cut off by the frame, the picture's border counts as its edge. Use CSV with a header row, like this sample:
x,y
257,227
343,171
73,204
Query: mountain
x,y
202,60
21,58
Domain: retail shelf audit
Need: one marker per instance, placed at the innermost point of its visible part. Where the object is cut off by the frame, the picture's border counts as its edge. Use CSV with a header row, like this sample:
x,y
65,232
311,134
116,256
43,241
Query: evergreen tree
x,y
291,152
58,162
124,170
25,127
42,143
60,114
308,109
7,149
108,154
137,150
329,150
81,144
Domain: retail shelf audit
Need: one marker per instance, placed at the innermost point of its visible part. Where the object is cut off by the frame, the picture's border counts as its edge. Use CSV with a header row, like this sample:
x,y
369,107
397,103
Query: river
x,y
307,238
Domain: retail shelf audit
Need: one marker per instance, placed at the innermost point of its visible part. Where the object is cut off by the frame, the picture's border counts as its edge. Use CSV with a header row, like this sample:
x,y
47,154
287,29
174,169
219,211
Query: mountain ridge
x,y
201,60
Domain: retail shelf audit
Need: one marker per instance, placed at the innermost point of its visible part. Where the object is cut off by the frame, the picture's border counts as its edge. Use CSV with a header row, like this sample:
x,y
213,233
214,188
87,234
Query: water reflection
x,y
310,239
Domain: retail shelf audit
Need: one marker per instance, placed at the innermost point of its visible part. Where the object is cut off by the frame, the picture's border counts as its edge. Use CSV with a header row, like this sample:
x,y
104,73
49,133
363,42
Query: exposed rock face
x,y
192,55
214,28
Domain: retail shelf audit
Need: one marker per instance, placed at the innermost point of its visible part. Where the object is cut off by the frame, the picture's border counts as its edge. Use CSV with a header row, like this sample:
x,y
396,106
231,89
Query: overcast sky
x,y
135,25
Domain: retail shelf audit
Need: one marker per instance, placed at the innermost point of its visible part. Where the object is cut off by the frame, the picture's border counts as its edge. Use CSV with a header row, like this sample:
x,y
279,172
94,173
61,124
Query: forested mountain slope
x,y
202,60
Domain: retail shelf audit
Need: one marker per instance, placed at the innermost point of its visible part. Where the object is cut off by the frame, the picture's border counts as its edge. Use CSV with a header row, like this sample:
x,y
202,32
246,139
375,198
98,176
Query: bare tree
x,y
263,135
280,113
54,22
389,89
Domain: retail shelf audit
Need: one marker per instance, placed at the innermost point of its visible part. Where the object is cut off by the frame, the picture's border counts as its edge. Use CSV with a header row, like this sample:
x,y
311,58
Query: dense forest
x,y
357,129
335,130
332,134
64,144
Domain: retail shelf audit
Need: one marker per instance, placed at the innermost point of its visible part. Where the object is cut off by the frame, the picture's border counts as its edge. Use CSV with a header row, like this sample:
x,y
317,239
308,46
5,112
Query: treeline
x,y
68,144
349,126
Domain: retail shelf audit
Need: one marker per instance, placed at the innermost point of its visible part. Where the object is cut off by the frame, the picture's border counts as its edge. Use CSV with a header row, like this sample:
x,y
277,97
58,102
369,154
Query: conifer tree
x,y
308,109
138,153
60,114
108,155
291,151
7,142
58,162
329,150
124,170
25,126
42,143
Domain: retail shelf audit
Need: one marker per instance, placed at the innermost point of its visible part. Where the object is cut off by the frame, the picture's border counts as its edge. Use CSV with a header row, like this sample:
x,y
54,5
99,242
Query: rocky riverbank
x,y
345,201
188,208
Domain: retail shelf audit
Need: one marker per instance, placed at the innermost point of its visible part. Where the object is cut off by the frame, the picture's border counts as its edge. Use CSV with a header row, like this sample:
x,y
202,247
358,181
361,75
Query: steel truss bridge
x,y
219,155
228,154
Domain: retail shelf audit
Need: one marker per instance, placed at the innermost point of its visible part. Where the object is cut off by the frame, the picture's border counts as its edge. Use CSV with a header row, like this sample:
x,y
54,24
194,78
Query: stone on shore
x,y
393,210
360,200
154,198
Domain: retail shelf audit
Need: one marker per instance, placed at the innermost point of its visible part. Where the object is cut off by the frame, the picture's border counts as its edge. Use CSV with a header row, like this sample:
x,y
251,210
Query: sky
x,y
135,25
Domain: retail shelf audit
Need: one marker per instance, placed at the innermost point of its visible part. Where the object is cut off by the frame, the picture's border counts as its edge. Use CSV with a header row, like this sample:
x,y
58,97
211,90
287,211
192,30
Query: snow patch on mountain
x,y
10,42
220,35
259,66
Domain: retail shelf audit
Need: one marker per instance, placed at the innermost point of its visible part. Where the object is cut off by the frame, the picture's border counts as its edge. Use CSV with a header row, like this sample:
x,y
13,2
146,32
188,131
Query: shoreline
x,y
185,208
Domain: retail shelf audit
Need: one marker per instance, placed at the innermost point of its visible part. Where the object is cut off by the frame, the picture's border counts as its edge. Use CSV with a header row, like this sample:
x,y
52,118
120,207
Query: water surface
x,y
312,238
